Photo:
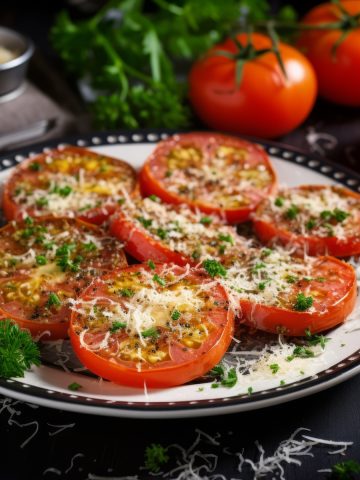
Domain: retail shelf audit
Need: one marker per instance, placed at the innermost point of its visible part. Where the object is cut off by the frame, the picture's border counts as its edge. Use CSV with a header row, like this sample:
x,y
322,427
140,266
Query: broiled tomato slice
x,y
321,219
157,327
72,182
280,293
211,172
44,264
153,230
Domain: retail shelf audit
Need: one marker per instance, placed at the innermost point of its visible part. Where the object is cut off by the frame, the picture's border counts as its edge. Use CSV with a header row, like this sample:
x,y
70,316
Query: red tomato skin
x,y
151,185
338,74
293,323
206,357
266,232
141,246
266,104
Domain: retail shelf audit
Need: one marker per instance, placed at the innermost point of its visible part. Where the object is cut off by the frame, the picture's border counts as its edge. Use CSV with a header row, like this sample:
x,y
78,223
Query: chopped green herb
x,y
121,201
29,221
74,386
159,280
226,379
314,340
262,286
145,222
89,247
291,279
282,382
64,191
53,300
214,268
274,367
226,238
326,214
250,390
300,352
127,292
279,202
196,254
160,232
18,351
340,215
266,252
320,279
345,470
151,264
35,166
117,326
155,457
303,303
257,267
42,202
150,332
168,173
310,224
154,198
40,259
175,315
206,220
292,212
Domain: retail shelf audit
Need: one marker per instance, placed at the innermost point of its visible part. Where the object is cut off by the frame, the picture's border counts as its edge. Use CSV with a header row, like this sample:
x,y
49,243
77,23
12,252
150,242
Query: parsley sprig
x,y
18,351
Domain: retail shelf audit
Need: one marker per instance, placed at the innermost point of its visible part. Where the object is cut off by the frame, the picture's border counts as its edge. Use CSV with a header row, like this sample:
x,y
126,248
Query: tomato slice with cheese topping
x,y
71,182
275,291
153,230
320,219
156,327
210,172
44,264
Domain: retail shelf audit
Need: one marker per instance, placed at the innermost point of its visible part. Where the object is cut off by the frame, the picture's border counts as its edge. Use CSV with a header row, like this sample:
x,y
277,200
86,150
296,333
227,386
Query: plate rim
x,y
337,373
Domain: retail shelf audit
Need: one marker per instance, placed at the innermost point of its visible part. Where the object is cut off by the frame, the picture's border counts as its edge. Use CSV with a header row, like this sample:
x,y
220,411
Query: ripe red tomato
x,y
161,327
44,264
266,104
338,72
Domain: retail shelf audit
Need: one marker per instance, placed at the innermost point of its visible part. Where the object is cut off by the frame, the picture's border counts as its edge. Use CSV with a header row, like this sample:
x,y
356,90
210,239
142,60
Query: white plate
x,y
48,384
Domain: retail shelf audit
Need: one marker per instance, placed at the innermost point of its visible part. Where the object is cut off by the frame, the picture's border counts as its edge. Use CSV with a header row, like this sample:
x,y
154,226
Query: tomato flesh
x,y
152,230
178,336
210,172
44,264
279,293
72,181
334,228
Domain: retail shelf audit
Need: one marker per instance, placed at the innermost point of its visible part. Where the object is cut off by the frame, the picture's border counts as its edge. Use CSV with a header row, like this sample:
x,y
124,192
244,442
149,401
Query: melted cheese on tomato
x,y
311,205
223,179
266,276
150,307
184,231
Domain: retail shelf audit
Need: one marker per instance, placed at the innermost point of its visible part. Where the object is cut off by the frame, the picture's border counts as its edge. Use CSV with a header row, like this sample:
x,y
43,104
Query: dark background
x,y
110,447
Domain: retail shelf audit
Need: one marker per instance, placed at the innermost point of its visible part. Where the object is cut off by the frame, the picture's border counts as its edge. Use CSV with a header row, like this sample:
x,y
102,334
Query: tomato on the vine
x,y
335,51
263,102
